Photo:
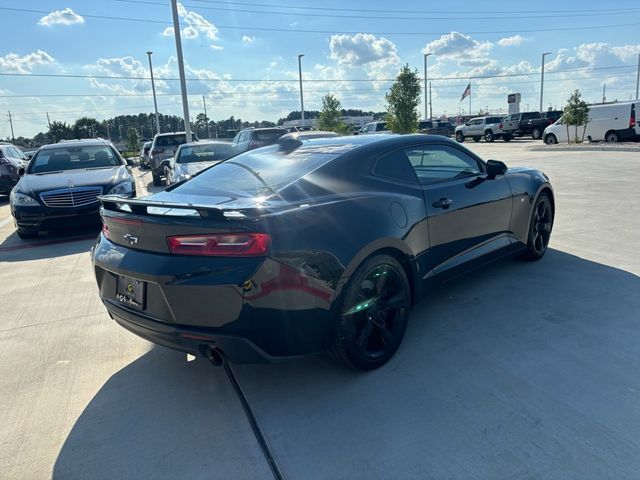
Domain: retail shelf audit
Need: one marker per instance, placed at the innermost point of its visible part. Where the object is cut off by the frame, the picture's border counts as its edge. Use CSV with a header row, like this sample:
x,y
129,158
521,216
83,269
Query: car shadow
x,y
516,370
50,245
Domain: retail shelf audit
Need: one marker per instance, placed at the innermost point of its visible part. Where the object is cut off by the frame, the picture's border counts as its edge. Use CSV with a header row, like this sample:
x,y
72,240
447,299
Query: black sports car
x,y
61,185
309,246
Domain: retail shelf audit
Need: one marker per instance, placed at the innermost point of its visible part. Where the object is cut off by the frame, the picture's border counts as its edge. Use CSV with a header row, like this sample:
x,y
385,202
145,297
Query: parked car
x,y
163,148
12,159
481,127
292,251
145,155
61,185
310,135
535,126
250,138
192,158
436,128
513,125
29,152
373,127
610,123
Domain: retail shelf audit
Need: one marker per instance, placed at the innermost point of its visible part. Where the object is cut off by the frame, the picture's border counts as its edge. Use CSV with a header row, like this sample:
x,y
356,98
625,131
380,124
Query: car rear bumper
x,y
253,309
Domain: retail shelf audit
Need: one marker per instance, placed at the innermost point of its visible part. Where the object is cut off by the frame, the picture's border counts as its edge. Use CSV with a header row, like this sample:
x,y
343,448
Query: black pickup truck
x,y
513,124
535,126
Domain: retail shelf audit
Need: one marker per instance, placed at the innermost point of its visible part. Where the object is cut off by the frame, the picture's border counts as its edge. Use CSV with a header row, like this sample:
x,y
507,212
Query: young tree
x,y
402,102
133,140
331,115
576,113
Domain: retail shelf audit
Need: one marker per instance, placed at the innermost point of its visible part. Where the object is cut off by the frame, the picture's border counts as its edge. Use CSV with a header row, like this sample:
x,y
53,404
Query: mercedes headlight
x,y
22,200
123,188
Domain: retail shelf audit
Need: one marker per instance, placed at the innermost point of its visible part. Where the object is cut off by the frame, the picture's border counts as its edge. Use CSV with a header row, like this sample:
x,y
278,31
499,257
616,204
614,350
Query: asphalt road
x,y
520,370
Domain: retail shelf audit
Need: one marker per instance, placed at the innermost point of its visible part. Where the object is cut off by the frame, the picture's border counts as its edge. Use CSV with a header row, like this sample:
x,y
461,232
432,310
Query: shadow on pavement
x,y
520,370
50,245
161,417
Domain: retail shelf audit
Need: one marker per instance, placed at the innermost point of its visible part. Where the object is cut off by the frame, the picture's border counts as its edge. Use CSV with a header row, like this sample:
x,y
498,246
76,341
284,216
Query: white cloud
x,y
12,62
61,17
246,39
126,67
511,41
458,45
196,25
362,49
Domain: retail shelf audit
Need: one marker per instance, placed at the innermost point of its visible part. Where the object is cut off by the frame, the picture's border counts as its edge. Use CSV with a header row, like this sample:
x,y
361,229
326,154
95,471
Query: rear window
x,y
267,137
73,158
257,173
172,140
203,153
494,119
528,115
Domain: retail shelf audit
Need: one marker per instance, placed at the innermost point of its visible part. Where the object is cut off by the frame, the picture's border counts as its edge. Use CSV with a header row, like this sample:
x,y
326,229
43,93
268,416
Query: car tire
x,y
612,137
506,137
550,139
540,228
476,139
370,328
536,133
157,180
489,136
459,137
26,234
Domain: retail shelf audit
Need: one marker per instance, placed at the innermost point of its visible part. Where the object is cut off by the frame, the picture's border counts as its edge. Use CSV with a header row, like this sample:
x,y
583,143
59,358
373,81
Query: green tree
x,y
201,125
85,127
60,131
576,113
331,115
133,139
402,102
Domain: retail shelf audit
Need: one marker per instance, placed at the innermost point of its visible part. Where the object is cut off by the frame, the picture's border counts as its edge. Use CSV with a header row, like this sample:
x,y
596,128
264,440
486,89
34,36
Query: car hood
x,y
34,184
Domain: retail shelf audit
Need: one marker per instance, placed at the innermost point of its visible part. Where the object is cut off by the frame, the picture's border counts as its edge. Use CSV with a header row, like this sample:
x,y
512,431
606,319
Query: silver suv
x,y
163,148
477,128
12,159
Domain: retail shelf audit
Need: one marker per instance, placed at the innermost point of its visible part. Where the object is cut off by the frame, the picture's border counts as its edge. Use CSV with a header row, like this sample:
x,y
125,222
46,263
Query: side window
x,y
437,163
395,165
13,152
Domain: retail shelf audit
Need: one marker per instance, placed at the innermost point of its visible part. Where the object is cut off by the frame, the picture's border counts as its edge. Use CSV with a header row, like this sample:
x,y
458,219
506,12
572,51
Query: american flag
x,y
467,92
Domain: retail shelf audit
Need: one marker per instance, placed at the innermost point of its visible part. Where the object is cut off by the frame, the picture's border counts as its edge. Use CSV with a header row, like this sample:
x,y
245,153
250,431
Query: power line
x,y
319,80
346,32
457,17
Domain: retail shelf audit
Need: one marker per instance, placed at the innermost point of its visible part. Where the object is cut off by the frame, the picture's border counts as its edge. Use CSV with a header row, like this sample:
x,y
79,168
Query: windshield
x,y
267,137
257,173
172,140
73,158
203,153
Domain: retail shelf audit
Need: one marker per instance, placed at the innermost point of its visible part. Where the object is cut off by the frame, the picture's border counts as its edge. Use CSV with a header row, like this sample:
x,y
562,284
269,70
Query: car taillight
x,y
105,231
632,119
221,244
500,126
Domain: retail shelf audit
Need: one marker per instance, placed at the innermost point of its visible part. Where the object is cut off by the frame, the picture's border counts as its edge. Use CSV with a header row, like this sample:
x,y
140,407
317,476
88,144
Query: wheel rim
x,y
542,223
377,312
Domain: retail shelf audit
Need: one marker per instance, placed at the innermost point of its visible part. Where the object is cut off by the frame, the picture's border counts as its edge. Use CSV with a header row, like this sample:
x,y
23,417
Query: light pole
x,y
542,79
153,88
425,86
183,82
300,77
638,76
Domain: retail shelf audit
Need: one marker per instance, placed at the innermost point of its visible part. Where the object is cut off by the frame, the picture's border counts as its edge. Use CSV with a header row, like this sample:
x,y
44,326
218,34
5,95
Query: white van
x,y
613,122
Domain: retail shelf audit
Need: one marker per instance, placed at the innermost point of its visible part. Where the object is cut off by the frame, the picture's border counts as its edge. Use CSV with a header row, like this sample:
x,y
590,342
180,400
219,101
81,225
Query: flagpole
x,y
469,96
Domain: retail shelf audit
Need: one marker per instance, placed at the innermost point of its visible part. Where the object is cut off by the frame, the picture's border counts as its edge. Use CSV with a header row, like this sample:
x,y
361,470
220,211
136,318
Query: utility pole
x,y
153,88
13,139
300,78
604,89
120,130
638,76
542,79
430,105
183,82
108,134
204,102
48,121
425,85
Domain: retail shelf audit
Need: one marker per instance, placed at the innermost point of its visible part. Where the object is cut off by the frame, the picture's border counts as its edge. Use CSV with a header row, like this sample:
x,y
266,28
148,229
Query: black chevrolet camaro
x,y
311,246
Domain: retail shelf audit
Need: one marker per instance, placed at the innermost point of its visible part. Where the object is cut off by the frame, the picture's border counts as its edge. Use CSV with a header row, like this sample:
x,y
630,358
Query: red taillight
x,y
221,244
105,231
500,127
632,120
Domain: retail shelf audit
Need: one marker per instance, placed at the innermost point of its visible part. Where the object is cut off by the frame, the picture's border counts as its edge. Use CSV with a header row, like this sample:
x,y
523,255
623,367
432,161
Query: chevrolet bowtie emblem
x,y
131,239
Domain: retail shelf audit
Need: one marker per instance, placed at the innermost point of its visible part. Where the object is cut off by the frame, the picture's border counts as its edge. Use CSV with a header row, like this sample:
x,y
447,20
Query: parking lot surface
x,y
518,370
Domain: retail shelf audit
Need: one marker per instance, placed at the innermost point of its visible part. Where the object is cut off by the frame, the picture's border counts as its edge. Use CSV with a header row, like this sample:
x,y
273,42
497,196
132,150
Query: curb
x,y
605,148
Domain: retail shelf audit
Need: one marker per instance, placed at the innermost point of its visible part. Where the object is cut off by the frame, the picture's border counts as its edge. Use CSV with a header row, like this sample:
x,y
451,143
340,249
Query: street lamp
x,y
542,79
183,82
425,86
153,88
300,77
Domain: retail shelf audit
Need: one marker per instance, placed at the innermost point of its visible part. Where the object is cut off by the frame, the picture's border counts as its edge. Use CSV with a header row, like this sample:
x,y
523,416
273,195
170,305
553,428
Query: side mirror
x,y
495,168
21,171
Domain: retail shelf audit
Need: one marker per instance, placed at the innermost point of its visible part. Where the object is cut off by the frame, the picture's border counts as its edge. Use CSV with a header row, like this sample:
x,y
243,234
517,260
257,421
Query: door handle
x,y
442,203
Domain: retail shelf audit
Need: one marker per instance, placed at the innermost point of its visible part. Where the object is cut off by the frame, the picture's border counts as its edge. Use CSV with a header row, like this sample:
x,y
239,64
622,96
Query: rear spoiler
x,y
138,206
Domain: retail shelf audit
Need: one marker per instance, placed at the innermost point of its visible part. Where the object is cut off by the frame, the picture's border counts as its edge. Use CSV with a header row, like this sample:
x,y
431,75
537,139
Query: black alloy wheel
x,y
374,314
536,133
488,136
540,228
157,180
612,137
459,137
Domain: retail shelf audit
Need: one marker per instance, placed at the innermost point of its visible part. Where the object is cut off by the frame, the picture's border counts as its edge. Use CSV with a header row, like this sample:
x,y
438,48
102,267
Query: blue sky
x,y
251,73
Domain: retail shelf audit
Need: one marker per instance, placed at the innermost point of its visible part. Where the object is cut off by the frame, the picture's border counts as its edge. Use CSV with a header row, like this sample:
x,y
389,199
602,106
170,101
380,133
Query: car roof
x,y
85,142
204,142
